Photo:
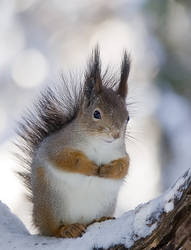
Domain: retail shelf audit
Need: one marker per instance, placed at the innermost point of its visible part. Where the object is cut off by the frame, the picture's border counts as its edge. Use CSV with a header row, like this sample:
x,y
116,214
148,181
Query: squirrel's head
x,y
103,111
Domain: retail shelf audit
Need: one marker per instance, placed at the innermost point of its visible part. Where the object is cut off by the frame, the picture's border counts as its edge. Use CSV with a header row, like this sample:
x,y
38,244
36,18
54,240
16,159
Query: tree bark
x,y
173,228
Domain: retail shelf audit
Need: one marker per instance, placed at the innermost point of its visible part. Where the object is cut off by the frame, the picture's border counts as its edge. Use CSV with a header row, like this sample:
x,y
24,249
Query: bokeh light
x,y
30,68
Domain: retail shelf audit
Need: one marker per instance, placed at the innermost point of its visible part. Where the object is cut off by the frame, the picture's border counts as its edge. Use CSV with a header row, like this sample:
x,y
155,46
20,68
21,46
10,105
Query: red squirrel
x,y
75,158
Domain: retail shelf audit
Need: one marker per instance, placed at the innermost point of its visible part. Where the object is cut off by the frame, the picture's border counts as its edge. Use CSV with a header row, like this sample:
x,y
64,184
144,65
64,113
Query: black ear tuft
x,y
93,82
125,68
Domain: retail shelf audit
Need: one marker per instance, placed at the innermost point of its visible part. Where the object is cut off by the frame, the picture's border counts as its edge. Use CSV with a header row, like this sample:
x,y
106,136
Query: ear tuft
x,y
125,69
93,80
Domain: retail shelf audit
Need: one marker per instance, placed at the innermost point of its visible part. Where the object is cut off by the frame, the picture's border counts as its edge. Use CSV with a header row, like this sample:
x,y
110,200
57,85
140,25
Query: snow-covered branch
x,y
163,223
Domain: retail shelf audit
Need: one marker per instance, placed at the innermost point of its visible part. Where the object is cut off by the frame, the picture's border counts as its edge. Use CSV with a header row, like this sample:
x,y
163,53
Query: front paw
x,y
109,171
86,167
116,169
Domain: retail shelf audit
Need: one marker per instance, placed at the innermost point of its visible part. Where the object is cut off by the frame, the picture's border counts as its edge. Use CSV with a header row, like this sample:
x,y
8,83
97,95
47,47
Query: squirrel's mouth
x,y
109,141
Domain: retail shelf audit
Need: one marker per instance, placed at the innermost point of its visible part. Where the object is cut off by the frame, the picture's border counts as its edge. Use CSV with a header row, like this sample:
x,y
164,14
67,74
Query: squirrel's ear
x,y
125,68
93,82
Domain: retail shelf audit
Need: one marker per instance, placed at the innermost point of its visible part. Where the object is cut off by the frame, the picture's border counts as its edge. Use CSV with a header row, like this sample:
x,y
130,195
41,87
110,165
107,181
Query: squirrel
x,y
73,150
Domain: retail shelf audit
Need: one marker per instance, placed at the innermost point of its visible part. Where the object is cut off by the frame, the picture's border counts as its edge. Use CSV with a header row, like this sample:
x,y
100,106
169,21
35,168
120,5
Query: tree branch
x,y
173,229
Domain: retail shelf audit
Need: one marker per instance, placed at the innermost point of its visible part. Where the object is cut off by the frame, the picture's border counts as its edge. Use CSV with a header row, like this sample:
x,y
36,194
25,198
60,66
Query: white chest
x,y
102,153
82,198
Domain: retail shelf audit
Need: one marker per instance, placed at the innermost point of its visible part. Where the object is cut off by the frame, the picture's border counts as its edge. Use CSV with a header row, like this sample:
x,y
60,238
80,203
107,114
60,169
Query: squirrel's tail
x,y
55,107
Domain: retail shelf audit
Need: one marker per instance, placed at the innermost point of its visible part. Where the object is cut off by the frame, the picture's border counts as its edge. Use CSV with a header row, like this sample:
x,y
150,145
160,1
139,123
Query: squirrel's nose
x,y
115,134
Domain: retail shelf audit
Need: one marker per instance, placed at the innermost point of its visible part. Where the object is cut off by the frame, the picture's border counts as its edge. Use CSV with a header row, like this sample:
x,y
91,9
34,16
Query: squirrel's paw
x,y
116,169
71,231
84,166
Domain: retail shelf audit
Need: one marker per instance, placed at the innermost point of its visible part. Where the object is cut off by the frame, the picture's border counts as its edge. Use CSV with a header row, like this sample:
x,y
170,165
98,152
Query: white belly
x,y
80,198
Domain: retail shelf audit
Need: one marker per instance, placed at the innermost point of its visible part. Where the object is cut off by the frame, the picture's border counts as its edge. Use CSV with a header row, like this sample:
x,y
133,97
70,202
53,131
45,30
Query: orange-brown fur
x,y
76,162
116,169
70,231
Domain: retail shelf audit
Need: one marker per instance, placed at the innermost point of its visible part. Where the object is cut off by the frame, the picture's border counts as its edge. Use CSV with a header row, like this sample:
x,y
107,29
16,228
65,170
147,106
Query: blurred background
x,y
40,39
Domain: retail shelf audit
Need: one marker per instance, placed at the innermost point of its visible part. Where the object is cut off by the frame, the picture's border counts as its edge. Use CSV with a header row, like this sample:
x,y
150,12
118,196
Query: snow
x,y
169,207
131,226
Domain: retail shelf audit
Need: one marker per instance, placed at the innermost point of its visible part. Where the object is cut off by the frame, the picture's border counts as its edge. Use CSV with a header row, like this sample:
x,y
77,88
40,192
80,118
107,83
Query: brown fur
x,y
70,231
116,169
42,212
75,161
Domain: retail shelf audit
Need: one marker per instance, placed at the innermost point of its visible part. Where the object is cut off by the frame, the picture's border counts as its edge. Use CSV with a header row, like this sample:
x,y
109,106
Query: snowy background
x,y
40,39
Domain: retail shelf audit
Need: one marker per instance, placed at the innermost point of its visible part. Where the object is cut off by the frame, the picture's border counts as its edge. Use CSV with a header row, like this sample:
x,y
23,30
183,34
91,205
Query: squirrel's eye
x,y
97,114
